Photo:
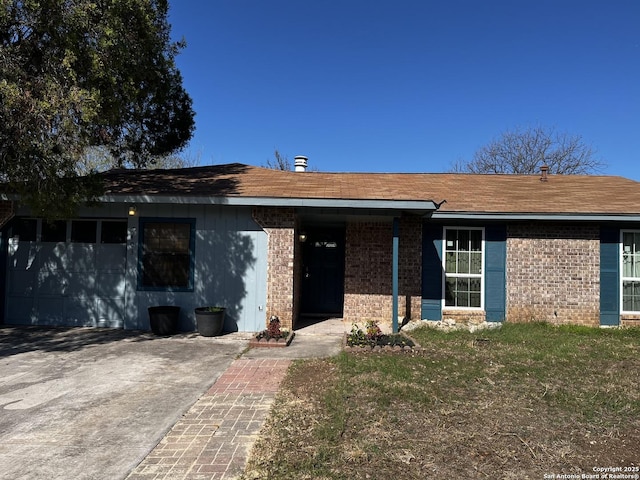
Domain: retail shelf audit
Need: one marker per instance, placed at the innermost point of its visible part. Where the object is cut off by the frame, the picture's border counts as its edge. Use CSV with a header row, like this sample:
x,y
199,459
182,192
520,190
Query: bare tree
x,y
524,151
279,162
99,159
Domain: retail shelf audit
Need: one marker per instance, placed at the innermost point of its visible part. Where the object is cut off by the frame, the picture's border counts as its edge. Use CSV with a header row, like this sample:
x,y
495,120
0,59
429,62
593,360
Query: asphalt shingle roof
x,y
583,194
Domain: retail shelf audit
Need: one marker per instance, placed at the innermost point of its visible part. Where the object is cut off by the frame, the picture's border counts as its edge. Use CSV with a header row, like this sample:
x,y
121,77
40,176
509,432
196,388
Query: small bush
x,y
273,330
372,336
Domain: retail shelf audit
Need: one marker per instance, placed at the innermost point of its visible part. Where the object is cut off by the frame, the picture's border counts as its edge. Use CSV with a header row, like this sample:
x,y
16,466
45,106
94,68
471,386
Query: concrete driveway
x,y
91,403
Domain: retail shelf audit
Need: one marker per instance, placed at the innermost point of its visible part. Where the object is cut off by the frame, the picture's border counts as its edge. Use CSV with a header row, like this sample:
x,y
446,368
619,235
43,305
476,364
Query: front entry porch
x,y
355,264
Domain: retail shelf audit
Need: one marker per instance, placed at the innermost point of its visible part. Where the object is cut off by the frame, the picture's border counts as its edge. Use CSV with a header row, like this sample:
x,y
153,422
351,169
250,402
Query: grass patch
x,y
516,402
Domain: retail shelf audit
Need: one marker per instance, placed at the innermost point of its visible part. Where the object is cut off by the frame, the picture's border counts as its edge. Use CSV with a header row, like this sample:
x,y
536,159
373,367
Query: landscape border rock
x,y
450,325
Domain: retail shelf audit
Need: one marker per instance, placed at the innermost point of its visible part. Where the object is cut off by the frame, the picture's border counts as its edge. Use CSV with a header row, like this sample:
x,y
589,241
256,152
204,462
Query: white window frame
x,y
622,277
445,275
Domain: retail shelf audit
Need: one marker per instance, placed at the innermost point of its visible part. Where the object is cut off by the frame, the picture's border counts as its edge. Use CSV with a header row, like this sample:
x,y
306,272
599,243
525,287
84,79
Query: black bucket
x,y
210,323
164,319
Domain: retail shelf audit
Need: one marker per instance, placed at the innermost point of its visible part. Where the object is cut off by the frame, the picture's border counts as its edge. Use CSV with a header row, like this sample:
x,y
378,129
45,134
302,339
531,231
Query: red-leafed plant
x,y
273,330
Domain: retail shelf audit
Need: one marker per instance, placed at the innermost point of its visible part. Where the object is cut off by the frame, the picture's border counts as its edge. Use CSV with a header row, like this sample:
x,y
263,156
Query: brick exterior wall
x,y
465,317
368,270
553,273
279,224
630,321
6,212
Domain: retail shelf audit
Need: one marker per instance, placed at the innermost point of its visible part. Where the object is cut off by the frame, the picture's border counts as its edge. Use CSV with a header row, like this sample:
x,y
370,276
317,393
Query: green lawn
x,y
521,401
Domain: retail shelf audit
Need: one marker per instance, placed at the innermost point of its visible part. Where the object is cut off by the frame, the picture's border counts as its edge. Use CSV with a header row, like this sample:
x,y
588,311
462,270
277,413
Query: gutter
x,y
424,206
556,217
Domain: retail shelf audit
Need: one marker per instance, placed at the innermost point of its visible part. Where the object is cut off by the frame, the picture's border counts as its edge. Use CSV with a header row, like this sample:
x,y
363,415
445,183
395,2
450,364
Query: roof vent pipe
x,y
544,170
300,163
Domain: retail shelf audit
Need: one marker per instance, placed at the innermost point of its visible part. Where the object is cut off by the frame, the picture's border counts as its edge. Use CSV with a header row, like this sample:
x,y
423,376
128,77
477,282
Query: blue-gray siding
x,y
77,284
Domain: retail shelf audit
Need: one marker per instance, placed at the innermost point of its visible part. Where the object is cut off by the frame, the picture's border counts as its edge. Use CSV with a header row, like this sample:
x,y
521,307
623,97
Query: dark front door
x,y
323,272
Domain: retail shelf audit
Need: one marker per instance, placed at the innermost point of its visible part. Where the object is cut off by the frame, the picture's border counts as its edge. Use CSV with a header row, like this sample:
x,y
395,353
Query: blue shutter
x,y
432,272
609,276
495,287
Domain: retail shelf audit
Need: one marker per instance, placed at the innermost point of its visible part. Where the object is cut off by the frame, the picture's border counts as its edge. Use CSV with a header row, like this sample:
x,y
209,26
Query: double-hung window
x,y
167,254
631,271
463,267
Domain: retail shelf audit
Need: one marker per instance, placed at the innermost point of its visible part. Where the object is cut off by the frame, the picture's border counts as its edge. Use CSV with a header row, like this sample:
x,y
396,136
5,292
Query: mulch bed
x,y
271,342
396,342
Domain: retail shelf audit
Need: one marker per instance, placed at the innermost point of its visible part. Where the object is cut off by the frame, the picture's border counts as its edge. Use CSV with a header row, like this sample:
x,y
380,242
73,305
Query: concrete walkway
x,y
212,441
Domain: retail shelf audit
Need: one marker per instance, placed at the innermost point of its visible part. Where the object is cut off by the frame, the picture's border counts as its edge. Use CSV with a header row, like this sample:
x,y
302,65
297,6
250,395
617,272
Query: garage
x,y
68,273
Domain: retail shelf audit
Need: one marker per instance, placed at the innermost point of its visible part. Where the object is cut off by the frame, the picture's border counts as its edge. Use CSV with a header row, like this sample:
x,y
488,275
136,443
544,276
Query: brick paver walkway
x,y
212,440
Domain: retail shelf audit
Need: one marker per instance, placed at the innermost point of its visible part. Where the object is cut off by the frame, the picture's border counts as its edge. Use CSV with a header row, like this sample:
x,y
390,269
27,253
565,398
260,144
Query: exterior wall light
x,y
302,237
132,210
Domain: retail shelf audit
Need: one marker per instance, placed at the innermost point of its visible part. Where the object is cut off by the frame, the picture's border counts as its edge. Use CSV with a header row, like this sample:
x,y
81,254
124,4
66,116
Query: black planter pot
x,y
210,323
164,319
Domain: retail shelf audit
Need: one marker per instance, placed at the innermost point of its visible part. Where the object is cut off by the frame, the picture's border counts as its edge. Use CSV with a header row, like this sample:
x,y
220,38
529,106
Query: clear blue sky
x,y
407,85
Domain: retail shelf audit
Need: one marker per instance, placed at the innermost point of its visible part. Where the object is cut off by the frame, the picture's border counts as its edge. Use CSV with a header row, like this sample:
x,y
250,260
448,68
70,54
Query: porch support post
x,y
394,274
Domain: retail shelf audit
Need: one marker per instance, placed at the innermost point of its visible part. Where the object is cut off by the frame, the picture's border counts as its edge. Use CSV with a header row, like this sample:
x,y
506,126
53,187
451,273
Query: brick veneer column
x,y
279,223
368,270
6,212
553,273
